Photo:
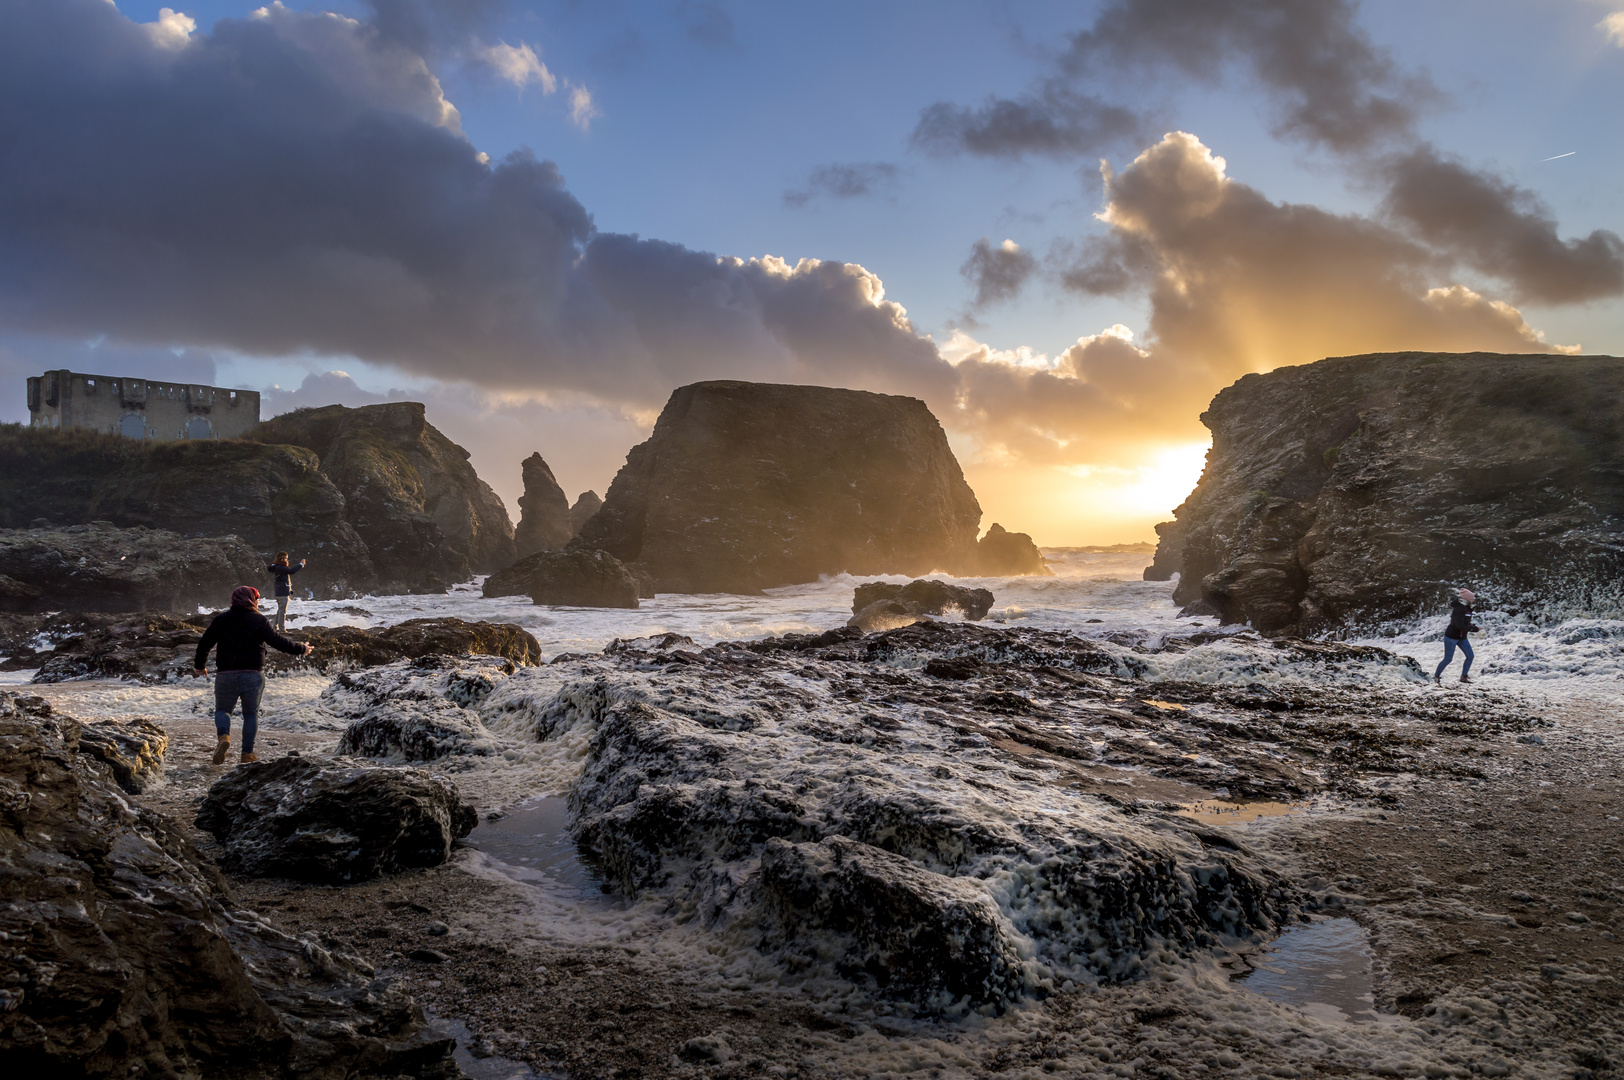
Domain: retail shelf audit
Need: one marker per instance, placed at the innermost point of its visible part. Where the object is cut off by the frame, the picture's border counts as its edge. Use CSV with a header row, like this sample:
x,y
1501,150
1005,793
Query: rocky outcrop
x,y
132,750
154,647
273,497
332,821
427,519
746,486
544,511
1359,490
125,954
99,567
879,605
586,504
1006,554
576,577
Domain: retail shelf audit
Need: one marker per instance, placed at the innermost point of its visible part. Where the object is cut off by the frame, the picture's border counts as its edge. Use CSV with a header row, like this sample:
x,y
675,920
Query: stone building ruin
x,y
140,408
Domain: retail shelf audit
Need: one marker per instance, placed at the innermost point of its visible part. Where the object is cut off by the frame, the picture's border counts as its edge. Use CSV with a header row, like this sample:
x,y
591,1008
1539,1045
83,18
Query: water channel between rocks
x,y
1322,967
533,844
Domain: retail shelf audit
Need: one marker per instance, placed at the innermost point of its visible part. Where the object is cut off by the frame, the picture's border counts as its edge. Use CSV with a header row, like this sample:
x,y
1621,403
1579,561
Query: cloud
x,y
844,182
1326,82
519,65
1501,230
317,389
172,30
582,111
998,273
1613,27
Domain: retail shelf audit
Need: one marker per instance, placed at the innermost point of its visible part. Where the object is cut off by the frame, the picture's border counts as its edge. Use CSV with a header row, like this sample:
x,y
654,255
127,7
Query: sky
x,y
1063,226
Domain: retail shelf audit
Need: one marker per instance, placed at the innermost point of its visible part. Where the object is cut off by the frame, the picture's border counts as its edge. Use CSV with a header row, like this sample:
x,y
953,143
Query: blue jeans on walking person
x,y
229,686
1449,655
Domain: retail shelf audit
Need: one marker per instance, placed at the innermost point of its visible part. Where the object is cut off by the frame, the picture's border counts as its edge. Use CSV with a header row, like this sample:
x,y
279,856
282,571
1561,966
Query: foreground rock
x,y
332,821
426,517
153,647
544,511
132,750
100,567
125,954
577,577
746,486
417,710
1363,489
882,606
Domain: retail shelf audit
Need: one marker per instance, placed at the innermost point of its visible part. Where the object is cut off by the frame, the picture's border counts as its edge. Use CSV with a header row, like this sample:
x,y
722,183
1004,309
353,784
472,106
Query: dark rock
x,y
926,597
1169,551
332,821
1007,554
586,504
544,511
125,953
149,647
19,637
884,615
576,577
919,935
273,497
427,956
352,647
426,517
747,486
103,568
1359,490
133,750
1195,609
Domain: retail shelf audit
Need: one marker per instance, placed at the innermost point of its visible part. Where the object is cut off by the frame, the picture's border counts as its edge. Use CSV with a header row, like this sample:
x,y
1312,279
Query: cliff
x,y
426,517
99,567
1363,489
746,486
544,511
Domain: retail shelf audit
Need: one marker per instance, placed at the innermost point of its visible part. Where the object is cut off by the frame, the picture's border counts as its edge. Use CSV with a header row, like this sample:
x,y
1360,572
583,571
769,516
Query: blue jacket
x,y
284,587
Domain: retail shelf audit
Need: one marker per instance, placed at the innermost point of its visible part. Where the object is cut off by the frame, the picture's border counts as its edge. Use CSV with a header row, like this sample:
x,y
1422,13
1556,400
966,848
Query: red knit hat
x,y
245,596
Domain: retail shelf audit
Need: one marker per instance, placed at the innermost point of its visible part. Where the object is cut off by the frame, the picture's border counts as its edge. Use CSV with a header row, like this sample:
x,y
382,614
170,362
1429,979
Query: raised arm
x,y
277,641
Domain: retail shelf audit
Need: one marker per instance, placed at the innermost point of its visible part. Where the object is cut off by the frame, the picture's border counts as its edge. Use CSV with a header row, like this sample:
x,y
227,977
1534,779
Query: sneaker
x,y
249,755
222,748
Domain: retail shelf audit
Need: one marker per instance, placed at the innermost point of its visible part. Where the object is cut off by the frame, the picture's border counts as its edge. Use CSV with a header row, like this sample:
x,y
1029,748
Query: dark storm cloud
x,y
997,271
844,182
1500,229
1327,83
1053,121
297,183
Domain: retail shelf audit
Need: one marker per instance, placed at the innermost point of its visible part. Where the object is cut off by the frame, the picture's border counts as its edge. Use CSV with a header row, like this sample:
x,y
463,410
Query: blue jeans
x,y
1449,655
228,687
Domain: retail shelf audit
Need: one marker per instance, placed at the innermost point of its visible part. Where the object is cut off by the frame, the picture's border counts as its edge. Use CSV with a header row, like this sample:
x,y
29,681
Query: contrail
x,y
1570,153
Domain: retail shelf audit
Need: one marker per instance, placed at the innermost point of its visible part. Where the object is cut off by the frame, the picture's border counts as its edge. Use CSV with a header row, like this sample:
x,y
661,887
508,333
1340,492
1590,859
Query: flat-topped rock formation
x,y
747,486
1363,489
544,511
100,567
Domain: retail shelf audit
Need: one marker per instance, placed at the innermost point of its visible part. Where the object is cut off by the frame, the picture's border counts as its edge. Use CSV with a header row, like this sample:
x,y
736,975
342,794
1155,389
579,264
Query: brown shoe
x,y
249,755
222,748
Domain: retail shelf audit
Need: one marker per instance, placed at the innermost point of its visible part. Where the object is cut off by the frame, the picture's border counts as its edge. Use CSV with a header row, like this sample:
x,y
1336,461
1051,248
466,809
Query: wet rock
x,y
1360,490
427,956
916,934
577,577
925,597
125,953
142,646
1006,554
133,750
332,821
352,647
416,710
104,568
544,511
884,615
710,1049
747,486
586,504
428,521
437,929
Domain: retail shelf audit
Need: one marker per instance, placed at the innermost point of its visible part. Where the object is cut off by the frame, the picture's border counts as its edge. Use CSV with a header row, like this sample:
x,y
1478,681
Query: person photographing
x,y
283,588
241,634
1460,625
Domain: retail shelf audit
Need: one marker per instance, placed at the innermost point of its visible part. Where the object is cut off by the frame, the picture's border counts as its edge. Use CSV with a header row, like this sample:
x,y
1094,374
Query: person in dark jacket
x,y
241,633
283,573
1460,625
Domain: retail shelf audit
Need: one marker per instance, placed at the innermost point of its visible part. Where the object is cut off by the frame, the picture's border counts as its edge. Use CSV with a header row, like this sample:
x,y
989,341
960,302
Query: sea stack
x,y
544,511
586,504
746,486
1362,489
